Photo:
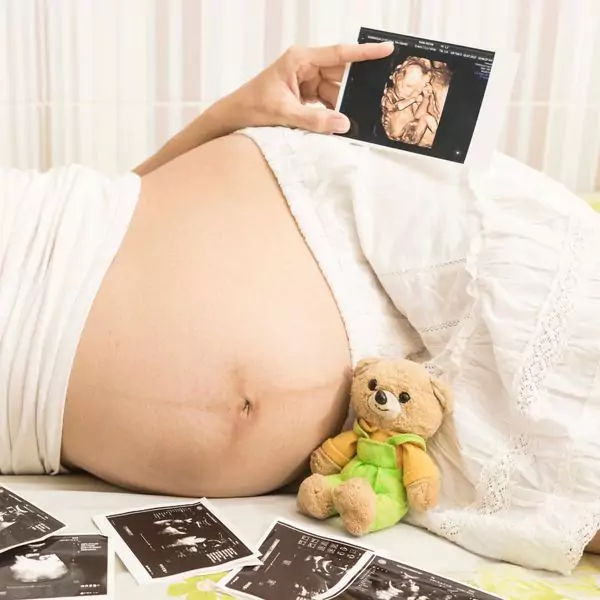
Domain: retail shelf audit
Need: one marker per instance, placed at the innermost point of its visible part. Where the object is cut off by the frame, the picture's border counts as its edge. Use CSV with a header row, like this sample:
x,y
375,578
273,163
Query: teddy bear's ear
x,y
441,390
364,363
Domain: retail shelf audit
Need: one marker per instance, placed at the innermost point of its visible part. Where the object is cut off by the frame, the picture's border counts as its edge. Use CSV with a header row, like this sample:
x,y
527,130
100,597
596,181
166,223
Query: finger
x,y
309,90
333,73
318,120
340,54
328,92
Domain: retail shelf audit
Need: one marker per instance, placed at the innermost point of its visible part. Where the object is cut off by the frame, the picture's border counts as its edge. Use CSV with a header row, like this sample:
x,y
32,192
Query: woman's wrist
x,y
225,116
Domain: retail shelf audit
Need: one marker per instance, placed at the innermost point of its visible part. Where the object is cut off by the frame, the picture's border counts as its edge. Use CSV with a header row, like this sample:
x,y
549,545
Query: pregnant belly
x,y
214,358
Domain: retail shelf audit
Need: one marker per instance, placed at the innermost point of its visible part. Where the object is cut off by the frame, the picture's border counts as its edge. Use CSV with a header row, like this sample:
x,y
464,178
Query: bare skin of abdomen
x,y
214,359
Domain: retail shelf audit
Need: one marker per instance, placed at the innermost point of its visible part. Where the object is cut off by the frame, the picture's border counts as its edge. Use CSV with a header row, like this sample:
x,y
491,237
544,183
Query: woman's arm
x,y
277,96
218,120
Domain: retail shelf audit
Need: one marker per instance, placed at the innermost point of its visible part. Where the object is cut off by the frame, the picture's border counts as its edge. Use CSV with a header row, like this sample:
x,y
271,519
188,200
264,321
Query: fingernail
x,y
388,44
340,123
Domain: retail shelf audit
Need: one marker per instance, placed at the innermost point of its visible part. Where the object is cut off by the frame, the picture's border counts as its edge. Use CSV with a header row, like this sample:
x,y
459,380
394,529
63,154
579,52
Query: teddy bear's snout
x,y
382,403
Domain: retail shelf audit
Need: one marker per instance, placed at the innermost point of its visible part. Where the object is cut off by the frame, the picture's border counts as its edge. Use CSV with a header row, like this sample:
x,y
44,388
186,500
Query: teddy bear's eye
x,y
372,384
404,397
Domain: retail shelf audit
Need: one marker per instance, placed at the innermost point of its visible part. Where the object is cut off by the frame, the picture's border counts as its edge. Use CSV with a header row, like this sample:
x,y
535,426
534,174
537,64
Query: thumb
x,y
319,120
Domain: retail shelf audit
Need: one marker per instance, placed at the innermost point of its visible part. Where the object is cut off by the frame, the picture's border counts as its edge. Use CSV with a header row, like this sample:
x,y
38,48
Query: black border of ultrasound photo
x,y
150,553
468,129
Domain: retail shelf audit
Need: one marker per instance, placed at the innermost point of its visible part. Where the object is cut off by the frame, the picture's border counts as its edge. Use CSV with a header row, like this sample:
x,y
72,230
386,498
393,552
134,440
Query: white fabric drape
x,y
103,82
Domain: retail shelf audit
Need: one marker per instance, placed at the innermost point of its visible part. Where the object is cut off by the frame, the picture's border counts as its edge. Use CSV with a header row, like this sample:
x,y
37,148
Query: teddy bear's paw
x,y
315,498
423,495
321,464
356,503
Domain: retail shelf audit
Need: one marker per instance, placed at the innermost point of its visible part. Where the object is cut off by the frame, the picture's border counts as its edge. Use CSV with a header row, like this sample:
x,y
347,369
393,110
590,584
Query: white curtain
x,y
104,82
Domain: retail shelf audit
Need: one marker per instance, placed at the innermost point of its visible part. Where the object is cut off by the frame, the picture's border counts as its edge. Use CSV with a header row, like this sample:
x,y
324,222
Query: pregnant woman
x,y
191,328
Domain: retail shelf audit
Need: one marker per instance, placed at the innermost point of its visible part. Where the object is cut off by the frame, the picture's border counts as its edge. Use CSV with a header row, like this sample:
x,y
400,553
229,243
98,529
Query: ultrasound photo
x,y
168,541
298,565
66,566
21,522
424,98
385,579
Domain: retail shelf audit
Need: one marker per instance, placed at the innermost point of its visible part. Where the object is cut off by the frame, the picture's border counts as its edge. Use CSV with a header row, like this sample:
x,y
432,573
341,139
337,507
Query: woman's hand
x,y
280,94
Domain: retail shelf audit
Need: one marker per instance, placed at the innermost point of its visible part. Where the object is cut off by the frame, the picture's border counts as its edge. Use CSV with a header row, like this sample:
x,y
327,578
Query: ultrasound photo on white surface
x,y
63,566
297,565
165,542
385,579
22,522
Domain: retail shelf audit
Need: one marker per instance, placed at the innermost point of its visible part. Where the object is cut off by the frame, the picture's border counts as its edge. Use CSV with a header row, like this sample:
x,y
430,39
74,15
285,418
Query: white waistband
x,y
59,232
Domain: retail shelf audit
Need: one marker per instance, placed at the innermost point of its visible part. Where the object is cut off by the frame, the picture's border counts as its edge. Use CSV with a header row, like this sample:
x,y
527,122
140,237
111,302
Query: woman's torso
x,y
214,358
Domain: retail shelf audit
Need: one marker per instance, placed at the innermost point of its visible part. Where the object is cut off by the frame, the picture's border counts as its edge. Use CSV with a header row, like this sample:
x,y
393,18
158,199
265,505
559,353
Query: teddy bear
x,y
371,475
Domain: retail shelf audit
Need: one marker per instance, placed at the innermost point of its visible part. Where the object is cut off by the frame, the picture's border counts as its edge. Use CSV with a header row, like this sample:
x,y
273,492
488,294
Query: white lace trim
x,y
427,269
494,483
445,325
550,337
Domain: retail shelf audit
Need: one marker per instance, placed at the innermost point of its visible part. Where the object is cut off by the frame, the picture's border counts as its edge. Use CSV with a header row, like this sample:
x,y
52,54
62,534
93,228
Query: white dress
x,y
495,279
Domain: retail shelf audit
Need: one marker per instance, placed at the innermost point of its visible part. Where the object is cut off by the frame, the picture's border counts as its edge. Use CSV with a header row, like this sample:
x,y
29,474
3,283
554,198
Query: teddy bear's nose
x,y
380,398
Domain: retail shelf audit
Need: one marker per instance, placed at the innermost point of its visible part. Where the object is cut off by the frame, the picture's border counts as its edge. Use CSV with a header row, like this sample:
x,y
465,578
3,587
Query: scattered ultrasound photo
x,y
66,566
168,541
385,579
22,522
298,565
424,98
